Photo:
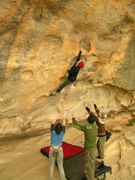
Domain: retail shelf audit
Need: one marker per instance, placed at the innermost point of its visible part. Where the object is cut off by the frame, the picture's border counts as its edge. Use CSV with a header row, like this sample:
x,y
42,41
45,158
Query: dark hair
x,y
91,119
58,128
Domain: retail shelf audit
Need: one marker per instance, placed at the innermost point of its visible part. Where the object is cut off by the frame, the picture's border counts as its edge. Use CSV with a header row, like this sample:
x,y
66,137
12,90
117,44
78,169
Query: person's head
x,y
91,119
58,128
103,115
80,64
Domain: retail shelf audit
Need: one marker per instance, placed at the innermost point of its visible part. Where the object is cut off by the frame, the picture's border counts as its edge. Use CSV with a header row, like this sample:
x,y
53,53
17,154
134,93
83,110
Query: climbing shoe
x,y
52,94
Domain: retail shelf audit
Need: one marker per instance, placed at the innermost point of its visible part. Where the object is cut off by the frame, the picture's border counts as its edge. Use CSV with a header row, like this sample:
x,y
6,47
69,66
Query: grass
x,y
131,122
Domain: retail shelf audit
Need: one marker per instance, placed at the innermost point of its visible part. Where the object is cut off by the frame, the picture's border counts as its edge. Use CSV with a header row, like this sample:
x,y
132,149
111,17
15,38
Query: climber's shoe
x,y
52,94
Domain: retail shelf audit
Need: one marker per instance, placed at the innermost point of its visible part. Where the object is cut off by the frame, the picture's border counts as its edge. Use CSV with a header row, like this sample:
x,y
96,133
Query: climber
x,y
100,121
56,151
90,131
73,72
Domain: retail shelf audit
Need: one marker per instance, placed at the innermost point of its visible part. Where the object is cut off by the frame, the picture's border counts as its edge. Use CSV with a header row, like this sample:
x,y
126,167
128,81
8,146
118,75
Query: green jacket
x,y
90,132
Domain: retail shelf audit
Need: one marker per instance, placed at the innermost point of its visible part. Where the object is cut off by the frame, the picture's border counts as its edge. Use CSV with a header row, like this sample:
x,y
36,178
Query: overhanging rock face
x,y
40,41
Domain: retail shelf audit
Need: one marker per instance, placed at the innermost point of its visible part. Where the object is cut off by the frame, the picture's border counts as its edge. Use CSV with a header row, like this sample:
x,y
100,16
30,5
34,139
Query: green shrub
x,y
132,122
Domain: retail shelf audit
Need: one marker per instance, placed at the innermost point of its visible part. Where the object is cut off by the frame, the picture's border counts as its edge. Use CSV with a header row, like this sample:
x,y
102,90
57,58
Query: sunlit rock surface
x,y
39,41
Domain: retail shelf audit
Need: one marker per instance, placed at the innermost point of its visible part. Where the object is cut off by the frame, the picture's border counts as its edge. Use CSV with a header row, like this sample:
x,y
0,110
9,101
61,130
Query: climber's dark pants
x,y
63,85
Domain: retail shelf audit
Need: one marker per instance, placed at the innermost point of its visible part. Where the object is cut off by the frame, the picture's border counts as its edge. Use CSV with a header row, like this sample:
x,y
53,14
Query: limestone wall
x,y
41,39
